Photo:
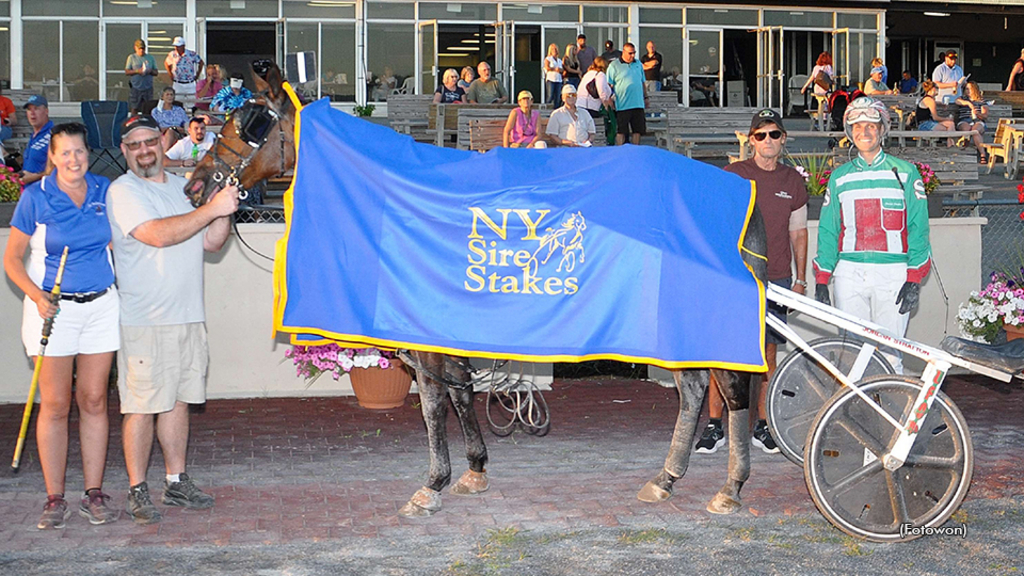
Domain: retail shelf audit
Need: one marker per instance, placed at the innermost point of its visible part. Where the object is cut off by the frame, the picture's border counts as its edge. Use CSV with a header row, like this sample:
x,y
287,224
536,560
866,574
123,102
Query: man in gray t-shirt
x,y
158,241
486,90
140,68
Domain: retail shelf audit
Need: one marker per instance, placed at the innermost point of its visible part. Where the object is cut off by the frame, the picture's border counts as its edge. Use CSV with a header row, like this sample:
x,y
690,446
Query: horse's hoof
x,y
722,504
423,503
471,483
651,492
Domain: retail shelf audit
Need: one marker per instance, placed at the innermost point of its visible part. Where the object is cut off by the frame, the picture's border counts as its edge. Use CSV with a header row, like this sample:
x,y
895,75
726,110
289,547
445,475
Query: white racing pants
x,y
869,291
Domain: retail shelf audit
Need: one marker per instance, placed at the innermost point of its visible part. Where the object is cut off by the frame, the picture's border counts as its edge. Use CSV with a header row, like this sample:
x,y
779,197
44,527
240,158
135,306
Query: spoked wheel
x,y
801,386
520,403
844,471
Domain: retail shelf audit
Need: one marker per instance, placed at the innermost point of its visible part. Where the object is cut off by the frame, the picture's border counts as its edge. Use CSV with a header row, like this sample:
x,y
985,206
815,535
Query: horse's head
x,y
257,141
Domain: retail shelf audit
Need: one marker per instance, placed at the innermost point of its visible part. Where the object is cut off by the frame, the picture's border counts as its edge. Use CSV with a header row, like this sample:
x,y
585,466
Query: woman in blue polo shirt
x,y
68,208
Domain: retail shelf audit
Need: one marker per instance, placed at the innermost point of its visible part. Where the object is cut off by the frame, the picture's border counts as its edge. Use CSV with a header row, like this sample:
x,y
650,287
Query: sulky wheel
x,y
844,471
801,386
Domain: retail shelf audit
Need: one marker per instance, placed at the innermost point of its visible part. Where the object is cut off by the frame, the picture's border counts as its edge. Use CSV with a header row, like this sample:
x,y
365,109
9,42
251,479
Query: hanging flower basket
x,y
379,379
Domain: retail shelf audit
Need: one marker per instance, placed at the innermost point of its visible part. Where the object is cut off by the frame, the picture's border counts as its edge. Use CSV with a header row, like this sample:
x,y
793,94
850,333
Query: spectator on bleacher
x,y
928,117
554,72
172,119
231,97
68,208
189,151
572,66
521,128
908,85
595,96
652,68
466,78
626,77
875,85
1016,81
208,87
8,118
876,62
37,110
585,54
485,89
183,65
566,126
610,53
946,77
971,115
140,69
449,92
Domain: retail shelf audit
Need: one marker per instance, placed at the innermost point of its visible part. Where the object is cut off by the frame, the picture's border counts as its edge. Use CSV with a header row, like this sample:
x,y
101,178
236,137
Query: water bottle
x,y
195,154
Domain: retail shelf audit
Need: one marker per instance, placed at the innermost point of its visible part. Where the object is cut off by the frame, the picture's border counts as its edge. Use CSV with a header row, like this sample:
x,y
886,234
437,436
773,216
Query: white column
x,y
881,48
17,47
634,27
191,33
361,96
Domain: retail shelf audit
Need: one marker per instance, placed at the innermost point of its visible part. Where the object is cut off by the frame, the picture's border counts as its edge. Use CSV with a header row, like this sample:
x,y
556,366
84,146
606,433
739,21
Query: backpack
x,y
824,81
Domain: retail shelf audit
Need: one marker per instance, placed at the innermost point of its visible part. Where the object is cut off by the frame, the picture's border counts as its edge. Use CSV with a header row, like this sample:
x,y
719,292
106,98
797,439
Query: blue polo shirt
x,y
48,215
628,81
37,149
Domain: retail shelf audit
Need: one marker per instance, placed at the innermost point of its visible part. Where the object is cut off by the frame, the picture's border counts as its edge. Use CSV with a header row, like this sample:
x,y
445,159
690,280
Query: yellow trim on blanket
x,y
762,303
281,248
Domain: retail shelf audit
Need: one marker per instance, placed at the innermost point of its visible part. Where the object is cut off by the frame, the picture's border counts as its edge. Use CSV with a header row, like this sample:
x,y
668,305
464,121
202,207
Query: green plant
x,y
10,185
365,111
815,170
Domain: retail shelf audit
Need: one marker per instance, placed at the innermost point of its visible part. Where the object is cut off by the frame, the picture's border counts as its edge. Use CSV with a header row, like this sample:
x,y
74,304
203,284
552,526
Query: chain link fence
x,y
1002,239
259,213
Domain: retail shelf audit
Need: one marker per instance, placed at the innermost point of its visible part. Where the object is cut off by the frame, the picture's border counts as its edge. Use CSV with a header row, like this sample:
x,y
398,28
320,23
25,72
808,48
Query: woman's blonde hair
x,y
450,73
974,92
600,64
570,53
927,86
553,49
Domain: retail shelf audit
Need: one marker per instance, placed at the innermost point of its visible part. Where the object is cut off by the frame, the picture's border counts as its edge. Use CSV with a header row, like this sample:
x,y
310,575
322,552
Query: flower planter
x,y
935,206
6,212
814,207
1013,332
380,389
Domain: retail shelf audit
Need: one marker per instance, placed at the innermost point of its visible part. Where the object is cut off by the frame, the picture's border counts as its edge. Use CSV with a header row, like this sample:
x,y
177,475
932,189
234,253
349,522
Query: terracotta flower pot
x,y
379,389
1013,332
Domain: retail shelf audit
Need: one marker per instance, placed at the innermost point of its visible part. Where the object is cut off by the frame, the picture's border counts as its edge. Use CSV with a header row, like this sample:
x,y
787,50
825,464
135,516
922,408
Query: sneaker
x,y
711,440
95,509
185,493
140,507
55,513
762,438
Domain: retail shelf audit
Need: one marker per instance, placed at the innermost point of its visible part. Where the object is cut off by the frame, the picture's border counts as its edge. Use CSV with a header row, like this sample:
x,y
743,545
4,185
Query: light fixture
x,y
470,41
938,14
452,54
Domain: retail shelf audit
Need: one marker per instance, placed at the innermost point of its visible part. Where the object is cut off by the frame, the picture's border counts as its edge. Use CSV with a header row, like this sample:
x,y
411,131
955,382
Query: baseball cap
x,y
524,94
568,89
138,121
766,116
878,70
36,100
178,41
951,54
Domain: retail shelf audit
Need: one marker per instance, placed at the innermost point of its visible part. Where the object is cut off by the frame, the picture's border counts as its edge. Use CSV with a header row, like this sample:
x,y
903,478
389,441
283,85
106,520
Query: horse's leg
x,y
692,385
735,387
474,480
434,405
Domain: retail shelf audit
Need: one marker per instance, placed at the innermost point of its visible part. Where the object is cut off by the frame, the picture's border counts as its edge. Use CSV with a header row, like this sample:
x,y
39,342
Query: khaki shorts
x,y
161,365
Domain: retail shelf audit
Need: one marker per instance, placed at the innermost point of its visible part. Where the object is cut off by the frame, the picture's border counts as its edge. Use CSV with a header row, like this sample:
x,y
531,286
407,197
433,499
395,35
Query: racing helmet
x,y
866,109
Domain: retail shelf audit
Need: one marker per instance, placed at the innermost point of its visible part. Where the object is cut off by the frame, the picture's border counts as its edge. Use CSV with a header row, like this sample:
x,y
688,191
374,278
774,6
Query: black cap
x,y
766,116
138,121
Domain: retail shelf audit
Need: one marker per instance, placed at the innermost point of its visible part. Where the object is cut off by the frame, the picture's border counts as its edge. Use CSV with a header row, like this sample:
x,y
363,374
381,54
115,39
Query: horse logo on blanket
x,y
555,241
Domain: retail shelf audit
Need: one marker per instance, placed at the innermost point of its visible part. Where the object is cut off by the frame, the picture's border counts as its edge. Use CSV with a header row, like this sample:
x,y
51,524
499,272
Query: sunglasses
x,y
775,135
149,142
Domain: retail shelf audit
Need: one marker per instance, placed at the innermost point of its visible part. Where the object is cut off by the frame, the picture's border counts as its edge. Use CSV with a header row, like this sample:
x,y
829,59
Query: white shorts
x,y
186,94
89,328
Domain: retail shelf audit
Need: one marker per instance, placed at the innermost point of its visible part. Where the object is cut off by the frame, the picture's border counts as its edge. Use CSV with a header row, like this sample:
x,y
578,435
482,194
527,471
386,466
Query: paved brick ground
x,y
301,470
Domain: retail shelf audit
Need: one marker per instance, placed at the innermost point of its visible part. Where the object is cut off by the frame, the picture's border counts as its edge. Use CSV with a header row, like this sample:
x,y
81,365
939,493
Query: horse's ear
x,y
272,84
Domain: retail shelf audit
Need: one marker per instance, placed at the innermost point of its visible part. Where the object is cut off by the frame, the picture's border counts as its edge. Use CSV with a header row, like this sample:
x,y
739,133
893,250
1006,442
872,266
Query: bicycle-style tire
x,y
844,472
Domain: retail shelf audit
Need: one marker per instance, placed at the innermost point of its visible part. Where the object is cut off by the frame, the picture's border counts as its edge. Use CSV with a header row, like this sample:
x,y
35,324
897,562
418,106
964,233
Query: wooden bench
x,y
488,133
705,132
1012,99
956,169
448,119
657,110
408,114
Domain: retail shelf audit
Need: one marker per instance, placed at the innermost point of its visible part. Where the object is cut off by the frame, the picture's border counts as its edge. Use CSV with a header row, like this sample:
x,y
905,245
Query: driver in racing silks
x,y
873,232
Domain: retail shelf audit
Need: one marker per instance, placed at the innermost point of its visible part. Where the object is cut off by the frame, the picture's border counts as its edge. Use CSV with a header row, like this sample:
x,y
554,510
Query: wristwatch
x,y
800,283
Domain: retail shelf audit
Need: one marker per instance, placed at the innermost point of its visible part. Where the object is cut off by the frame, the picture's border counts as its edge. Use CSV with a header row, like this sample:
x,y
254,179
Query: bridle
x,y
254,123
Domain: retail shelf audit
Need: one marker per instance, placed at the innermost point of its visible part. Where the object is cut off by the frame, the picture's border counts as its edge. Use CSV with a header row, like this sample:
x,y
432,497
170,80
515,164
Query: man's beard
x,y
146,170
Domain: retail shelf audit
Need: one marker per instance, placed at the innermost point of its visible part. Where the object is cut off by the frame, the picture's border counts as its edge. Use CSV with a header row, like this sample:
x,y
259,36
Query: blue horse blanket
x,y
628,253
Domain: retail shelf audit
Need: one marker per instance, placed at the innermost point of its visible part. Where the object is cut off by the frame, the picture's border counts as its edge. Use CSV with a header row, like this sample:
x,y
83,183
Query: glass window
x,y
60,7
669,43
5,10
158,43
721,16
598,35
303,37
390,10
863,48
661,15
237,8
5,54
605,14
458,11
797,18
81,61
338,65
120,44
308,9
39,65
869,21
390,58
704,56
541,13
144,9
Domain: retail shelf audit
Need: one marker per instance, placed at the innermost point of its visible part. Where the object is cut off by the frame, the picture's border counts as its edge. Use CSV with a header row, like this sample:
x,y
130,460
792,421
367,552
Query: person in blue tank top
x,y
68,208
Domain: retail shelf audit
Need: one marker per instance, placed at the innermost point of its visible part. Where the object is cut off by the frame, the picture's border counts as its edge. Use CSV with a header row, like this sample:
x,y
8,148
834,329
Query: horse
x,y
246,155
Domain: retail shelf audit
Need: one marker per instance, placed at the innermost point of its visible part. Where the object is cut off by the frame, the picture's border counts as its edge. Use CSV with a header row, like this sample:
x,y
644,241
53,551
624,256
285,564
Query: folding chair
x,y
102,119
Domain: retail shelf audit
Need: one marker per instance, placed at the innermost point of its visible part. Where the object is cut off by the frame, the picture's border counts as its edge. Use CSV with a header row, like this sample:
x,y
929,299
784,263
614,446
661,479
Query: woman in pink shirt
x,y
521,128
208,87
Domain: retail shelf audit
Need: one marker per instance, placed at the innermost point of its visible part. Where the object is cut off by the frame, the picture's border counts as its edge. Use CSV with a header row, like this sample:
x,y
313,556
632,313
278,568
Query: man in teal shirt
x,y
626,76
140,69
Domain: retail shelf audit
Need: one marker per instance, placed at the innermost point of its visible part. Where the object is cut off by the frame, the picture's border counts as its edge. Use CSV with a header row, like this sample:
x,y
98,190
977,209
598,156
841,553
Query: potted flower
x,y
816,170
931,184
10,191
998,307
379,378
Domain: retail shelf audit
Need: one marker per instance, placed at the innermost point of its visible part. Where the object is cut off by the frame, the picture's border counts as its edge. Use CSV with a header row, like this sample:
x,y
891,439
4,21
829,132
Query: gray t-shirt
x,y
485,92
158,286
140,81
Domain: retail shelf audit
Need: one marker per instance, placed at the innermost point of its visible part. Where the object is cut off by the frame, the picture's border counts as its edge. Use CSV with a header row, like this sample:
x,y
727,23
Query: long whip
x,y
47,330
